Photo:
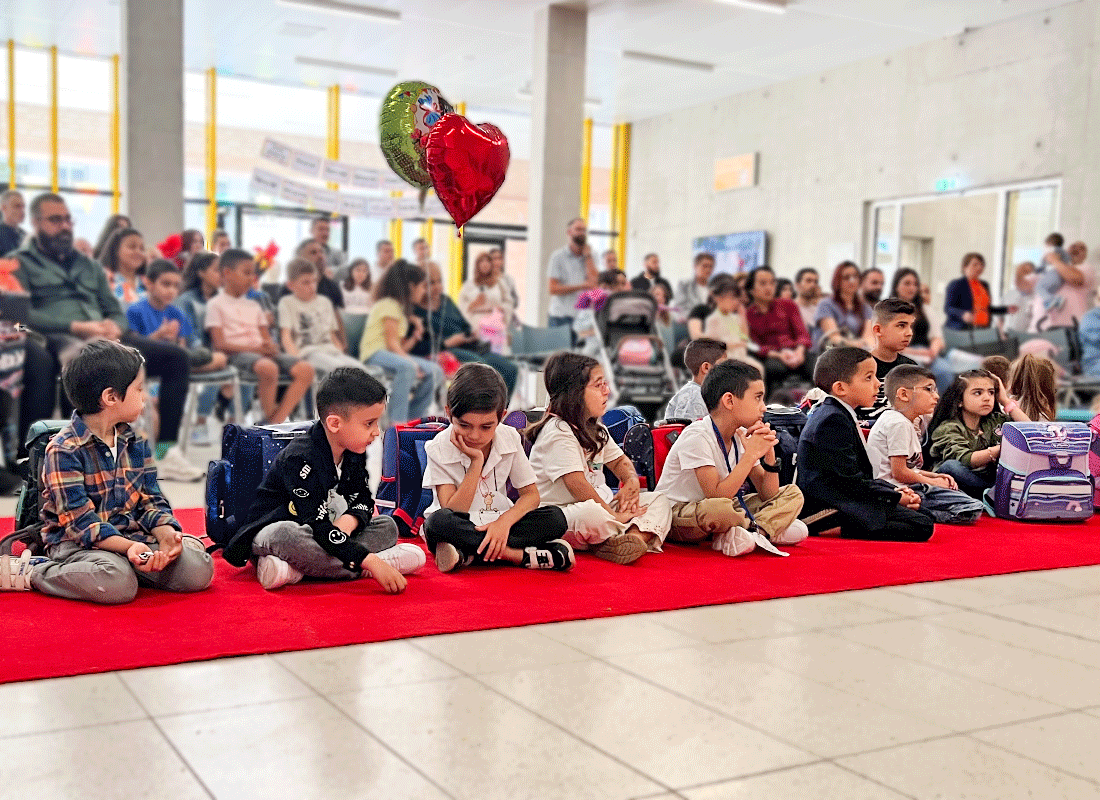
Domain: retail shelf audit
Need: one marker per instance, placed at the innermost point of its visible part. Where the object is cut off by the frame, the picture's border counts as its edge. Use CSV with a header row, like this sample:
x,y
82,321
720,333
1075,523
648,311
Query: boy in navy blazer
x,y
833,468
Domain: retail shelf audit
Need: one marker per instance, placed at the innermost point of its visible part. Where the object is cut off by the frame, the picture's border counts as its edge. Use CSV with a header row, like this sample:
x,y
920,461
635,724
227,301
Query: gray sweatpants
x,y
295,545
99,576
324,358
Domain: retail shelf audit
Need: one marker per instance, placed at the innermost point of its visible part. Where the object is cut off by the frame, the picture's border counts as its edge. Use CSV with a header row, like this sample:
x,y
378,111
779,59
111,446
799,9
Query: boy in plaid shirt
x,y
106,525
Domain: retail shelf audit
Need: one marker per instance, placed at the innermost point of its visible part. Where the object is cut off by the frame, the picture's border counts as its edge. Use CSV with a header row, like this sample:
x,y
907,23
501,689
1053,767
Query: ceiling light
x,y
666,61
365,68
771,6
339,7
300,30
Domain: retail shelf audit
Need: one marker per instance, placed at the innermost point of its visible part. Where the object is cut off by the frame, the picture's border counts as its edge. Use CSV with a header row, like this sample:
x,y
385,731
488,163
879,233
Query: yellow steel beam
x,y
116,138
54,185
211,150
11,113
586,168
624,192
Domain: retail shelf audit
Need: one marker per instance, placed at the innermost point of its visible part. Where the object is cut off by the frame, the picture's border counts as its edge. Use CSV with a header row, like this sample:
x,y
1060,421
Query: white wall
x,y
1006,103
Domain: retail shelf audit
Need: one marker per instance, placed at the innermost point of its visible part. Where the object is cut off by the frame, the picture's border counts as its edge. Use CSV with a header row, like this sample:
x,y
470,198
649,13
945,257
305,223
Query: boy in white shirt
x,y
710,462
308,326
700,356
894,447
472,520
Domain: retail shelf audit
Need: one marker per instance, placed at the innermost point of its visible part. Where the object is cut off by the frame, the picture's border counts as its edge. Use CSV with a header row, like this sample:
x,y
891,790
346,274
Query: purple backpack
x,y
1043,472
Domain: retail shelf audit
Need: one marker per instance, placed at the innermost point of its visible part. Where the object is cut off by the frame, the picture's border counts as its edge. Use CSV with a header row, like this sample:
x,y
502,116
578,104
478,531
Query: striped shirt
x,y
90,493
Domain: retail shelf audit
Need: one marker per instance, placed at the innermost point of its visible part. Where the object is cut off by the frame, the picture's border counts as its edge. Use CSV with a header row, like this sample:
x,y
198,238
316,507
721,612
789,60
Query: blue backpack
x,y
401,492
1043,472
232,480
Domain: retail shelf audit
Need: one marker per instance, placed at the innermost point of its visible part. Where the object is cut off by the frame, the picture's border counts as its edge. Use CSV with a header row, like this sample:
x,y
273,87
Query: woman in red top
x,y
776,326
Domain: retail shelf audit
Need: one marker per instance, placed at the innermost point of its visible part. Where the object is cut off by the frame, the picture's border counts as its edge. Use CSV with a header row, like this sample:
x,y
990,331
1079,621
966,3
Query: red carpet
x,y
46,637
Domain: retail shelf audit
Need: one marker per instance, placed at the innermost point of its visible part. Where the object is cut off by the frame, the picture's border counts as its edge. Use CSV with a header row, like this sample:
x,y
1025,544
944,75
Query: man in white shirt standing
x,y
571,271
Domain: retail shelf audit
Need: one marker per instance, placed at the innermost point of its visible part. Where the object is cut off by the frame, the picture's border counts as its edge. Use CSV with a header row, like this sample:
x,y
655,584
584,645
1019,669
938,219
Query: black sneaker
x,y
556,555
221,407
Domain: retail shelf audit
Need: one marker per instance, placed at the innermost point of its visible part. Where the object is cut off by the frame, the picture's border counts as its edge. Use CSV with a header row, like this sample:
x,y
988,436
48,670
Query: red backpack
x,y
648,448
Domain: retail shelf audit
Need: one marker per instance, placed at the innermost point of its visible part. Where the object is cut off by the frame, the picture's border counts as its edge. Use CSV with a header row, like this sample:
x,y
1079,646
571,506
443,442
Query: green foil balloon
x,y
409,111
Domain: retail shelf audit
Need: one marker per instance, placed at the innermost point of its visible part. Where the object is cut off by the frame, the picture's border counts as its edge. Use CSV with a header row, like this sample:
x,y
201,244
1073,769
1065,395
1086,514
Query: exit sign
x,y
947,184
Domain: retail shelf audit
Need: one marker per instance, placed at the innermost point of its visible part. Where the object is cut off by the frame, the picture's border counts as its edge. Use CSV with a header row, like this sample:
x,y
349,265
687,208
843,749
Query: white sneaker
x,y
274,573
200,436
175,467
406,558
734,542
15,573
795,533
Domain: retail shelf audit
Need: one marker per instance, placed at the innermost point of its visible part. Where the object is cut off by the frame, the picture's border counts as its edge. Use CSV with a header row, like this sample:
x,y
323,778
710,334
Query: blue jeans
x,y
971,482
949,505
502,364
402,370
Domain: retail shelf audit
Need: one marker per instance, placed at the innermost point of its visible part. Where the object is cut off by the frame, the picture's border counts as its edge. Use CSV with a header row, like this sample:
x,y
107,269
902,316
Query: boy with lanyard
x,y
707,467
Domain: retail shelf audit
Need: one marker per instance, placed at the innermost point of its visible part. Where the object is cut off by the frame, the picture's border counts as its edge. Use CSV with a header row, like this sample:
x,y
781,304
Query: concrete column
x,y
152,115
557,130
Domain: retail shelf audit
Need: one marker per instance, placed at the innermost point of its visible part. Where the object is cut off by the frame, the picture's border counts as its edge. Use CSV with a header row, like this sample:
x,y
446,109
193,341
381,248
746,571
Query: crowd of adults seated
x,y
393,314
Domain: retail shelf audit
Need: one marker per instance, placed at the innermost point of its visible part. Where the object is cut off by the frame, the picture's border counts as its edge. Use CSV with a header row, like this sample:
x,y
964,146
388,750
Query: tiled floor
x,y
981,688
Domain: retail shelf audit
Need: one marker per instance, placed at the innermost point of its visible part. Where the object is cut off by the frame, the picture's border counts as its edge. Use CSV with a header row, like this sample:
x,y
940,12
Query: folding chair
x,y
531,347
199,381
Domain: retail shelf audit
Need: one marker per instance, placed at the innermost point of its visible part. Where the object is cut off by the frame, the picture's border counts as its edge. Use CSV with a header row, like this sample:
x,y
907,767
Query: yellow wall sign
x,y
737,172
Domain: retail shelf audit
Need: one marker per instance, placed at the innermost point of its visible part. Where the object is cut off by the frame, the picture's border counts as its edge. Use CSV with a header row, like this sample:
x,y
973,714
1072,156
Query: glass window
x,y
1030,218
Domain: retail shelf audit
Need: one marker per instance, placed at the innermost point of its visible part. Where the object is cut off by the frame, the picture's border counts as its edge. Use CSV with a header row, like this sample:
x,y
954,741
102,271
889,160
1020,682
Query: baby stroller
x,y
635,362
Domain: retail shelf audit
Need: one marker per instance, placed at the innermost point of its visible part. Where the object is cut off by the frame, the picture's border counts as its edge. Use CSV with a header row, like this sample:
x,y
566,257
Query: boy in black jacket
x,y
314,514
834,470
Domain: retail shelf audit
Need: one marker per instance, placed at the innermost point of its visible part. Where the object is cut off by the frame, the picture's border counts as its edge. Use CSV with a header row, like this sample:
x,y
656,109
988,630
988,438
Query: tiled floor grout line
x,y
947,670
712,708
171,744
552,723
358,724
1034,760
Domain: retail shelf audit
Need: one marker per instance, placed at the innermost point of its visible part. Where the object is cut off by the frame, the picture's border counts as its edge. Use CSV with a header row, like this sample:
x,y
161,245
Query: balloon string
x,y
459,231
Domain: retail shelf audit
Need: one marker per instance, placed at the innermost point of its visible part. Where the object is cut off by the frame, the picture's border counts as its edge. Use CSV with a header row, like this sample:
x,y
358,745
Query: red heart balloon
x,y
467,164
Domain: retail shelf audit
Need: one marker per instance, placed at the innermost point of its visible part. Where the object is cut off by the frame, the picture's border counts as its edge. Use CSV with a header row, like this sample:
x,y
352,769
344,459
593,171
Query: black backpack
x,y
787,422
28,509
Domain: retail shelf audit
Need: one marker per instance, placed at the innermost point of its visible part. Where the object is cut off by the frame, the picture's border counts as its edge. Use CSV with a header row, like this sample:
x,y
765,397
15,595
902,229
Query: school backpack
x,y
28,508
1043,472
232,480
619,420
648,447
401,492
1094,458
787,422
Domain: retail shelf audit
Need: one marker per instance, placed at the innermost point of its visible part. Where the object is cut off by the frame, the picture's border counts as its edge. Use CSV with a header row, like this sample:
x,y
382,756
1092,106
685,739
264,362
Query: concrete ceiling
x,y
479,51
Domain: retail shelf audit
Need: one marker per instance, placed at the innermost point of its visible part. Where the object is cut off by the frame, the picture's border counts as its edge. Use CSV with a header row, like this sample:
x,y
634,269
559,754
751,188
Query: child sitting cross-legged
x,y
710,462
308,327
106,525
239,328
472,520
966,429
314,515
700,356
894,446
569,448
834,470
